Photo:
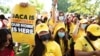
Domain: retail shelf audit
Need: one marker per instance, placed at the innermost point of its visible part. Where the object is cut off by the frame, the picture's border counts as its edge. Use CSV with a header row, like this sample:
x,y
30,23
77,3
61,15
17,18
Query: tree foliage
x,y
79,6
4,9
63,5
39,6
83,6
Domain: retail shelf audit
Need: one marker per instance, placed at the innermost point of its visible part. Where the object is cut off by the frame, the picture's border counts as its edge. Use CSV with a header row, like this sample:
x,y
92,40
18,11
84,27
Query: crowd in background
x,y
67,34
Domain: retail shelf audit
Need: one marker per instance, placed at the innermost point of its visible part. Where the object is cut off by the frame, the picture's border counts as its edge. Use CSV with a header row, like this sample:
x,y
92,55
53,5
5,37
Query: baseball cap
x,y
41,27
94,29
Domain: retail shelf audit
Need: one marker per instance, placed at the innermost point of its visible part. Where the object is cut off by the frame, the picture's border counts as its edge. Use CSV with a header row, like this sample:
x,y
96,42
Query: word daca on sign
x,y
21,16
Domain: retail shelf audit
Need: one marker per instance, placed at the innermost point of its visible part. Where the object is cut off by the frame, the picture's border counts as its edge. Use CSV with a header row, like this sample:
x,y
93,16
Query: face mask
x,y
83,26
61,34
45,37
91,37
61,18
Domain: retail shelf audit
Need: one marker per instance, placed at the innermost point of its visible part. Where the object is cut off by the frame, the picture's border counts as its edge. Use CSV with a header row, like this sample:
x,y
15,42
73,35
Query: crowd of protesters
x,y
67,34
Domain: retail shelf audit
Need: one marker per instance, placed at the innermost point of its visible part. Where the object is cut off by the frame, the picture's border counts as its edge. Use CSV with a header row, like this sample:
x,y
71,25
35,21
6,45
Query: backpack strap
x,y
90,43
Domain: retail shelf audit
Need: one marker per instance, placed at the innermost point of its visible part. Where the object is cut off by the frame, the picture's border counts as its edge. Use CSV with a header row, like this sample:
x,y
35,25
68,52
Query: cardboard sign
x,y
23,24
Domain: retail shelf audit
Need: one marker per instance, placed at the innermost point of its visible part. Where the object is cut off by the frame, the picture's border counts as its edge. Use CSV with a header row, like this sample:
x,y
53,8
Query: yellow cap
x,y
59,26
41,27
83,21
94,29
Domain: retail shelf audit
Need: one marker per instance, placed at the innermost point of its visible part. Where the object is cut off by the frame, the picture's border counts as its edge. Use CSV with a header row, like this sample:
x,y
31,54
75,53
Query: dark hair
x,y
38,21
92,37
2,17
61,13
65,41
45,20
86,28
3,38
40,48
78,16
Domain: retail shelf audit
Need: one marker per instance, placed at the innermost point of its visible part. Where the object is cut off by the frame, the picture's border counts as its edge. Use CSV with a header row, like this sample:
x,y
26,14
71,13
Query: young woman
x,y
6,43
61,38
44,45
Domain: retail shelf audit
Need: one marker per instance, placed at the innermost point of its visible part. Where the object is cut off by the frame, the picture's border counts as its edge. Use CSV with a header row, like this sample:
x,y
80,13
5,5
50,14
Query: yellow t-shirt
x,y
51,22
82,45
96,44
72,26
80,34
53,49
62,46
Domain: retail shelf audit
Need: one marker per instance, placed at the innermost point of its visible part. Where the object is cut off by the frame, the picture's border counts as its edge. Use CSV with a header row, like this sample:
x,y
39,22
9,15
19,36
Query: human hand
x,y
78,23
54,2
23,4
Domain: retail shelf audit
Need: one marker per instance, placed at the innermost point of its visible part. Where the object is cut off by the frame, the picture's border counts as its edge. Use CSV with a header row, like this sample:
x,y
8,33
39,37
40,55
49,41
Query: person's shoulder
x,y
54,43
9,50
82,38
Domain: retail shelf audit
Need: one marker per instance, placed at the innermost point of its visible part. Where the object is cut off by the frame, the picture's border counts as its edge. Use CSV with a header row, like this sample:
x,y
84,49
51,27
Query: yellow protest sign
x,y
23,24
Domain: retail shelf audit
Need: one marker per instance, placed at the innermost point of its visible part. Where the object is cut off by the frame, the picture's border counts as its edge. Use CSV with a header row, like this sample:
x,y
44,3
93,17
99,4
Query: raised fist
x,y
55,2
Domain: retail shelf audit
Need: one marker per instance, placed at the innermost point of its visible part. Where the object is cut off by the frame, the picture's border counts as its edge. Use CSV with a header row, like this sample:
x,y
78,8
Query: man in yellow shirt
x,y
88,45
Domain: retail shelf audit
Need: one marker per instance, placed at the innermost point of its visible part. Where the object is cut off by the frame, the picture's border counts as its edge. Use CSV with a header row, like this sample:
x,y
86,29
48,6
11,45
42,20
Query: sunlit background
x,y
63,5
11,3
